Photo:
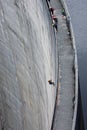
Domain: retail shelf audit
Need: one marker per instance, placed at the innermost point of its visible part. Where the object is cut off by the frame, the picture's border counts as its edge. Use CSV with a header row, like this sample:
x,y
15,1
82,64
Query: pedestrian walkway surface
x,y
64,108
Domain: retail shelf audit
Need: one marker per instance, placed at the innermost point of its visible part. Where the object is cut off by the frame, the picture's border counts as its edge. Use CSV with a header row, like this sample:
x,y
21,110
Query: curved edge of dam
x,y
75,67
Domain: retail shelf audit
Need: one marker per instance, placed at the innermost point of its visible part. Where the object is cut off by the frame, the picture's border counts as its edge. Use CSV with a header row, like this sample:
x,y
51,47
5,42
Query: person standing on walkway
x,y
68,21
51,10
55,23
63,12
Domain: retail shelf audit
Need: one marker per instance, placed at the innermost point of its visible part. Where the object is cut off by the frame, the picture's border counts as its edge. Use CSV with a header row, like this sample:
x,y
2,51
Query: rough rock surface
x,y
27,62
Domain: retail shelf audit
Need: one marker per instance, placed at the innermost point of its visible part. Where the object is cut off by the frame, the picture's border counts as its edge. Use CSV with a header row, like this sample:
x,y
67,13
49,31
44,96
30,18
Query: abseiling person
x,y
51,82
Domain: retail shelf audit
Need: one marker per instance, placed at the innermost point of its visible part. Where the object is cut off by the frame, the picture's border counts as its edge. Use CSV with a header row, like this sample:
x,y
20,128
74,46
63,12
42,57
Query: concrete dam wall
x,y
27,62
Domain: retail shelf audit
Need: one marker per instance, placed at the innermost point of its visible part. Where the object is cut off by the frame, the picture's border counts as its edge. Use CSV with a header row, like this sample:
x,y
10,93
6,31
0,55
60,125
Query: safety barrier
x,y
75,63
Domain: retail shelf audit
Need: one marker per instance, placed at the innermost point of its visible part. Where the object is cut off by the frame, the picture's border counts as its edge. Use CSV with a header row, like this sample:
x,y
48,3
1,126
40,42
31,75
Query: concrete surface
x,y
76,94
64,109
27,62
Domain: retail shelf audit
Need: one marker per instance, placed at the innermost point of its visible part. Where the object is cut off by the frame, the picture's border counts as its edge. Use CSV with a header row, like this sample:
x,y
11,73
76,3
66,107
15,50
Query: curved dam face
x,y
27,62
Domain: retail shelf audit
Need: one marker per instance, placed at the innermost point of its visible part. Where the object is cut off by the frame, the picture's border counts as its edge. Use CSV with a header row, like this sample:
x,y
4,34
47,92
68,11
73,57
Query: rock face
x,y
27,62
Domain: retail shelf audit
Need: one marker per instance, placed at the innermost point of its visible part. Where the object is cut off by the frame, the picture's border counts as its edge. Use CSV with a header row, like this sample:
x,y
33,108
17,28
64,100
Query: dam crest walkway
x,y
64,106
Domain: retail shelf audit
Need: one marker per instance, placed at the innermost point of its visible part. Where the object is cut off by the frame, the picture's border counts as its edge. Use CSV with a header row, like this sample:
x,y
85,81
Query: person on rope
x,y
51,82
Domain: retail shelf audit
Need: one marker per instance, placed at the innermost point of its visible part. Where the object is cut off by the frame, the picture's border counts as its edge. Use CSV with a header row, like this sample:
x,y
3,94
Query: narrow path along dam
x,y
31,54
